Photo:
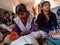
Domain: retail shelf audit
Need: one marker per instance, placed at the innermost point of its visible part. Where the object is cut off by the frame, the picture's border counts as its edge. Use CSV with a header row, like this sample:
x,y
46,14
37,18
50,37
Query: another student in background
x,y
4,30
58,19
7,19
58,14
13,16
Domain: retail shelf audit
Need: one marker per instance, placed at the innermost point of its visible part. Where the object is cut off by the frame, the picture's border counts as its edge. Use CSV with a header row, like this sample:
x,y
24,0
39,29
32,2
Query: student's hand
x,y
20,34
52,33
58,31
2,27
9,23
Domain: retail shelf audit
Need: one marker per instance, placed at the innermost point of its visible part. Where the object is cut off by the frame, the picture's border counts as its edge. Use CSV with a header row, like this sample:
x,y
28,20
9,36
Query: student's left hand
x,y
8,24
20,34
58,31
2,27
52,33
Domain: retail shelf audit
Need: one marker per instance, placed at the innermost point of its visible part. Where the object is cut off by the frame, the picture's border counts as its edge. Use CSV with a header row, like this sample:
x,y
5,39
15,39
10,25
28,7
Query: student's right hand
x,y
9,23
20,34
52,33
2,26
58,31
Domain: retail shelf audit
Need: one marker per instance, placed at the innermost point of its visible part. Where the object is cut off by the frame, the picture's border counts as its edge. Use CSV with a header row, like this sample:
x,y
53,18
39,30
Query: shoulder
x,y
16,18
53,14
30,18
40,16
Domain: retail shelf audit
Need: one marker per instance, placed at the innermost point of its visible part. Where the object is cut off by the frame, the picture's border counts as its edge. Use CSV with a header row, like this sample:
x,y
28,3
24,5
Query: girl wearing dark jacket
x,y
46,20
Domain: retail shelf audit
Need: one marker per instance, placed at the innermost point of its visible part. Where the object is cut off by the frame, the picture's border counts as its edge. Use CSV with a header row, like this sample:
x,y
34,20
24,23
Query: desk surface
x,y
53,40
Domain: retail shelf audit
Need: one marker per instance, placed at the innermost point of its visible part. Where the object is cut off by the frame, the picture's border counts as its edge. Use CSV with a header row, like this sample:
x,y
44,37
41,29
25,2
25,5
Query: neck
x,y
46,12
24,20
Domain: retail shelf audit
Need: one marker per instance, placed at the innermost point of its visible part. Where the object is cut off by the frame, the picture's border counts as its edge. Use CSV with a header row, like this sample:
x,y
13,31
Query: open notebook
x,y
56,36
6,27
25,40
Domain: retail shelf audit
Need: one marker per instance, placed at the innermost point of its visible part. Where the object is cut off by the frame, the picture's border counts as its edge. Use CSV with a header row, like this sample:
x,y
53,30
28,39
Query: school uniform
x,y
47,24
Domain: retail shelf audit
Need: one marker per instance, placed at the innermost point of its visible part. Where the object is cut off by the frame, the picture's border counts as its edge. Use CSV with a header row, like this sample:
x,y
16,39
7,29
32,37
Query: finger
x,y
58,31
50,33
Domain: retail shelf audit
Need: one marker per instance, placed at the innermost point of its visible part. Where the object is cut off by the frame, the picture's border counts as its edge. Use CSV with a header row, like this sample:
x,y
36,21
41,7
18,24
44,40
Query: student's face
x,y
46,7
22,15
6,15
59,12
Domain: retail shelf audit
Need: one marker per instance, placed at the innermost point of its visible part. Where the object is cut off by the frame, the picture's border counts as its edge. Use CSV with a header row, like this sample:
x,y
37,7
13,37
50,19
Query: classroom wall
x,y
2,11
55,9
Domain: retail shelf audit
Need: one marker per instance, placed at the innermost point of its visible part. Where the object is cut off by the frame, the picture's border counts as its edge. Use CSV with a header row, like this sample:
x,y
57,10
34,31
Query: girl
x,y
24,25
7,19
46,20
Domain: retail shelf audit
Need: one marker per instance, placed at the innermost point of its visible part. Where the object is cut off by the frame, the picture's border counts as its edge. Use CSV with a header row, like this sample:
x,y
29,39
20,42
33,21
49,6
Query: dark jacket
x,y
6,21
44,23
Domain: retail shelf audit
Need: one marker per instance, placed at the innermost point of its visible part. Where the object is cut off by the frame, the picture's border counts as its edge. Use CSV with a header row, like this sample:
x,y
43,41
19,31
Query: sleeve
x,y
4,21
16,29
55,21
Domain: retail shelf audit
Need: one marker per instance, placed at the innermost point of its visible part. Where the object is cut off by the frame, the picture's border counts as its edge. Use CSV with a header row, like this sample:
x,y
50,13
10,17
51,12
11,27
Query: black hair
x,y
45,2
13,13
21,8
57,12
6,12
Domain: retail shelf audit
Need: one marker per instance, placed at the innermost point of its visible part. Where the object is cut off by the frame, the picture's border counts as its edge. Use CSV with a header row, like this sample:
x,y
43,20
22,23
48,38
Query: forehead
x,y
47,3
22,12
5,13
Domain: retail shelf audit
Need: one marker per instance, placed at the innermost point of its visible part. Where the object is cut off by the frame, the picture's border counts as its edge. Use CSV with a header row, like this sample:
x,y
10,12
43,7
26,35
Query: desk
x,y
52,41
